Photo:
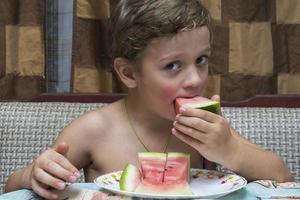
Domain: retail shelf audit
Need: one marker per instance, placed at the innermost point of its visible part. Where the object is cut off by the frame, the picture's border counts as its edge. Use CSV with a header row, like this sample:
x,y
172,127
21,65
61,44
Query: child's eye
x,y
173,66
202,60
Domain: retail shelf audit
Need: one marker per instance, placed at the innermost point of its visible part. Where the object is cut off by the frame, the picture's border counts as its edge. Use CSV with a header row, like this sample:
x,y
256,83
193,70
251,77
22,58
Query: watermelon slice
x,y
131,177
197,102
153,166
177,167
164,174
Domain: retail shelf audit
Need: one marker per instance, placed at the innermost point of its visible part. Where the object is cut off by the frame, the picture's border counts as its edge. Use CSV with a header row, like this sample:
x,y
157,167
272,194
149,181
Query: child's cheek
x,y
168,92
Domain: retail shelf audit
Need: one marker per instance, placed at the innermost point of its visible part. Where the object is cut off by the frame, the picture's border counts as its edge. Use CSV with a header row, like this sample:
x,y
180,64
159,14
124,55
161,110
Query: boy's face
x,y
174,67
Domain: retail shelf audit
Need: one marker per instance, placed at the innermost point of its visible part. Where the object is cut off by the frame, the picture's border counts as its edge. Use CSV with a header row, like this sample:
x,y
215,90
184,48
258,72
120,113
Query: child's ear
x,y
125,71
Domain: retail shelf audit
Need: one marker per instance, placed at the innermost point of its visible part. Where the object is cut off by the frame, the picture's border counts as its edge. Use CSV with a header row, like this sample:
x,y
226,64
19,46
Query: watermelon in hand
x,y
201,103
197,102
163,174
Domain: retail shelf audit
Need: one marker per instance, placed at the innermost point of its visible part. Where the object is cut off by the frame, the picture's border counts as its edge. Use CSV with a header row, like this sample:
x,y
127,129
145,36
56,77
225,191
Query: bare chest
x,y
113,157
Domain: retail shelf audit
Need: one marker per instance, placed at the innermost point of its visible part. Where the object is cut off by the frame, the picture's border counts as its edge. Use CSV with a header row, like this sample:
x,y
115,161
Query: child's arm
x,y
51,168
213,137
262,164
60,163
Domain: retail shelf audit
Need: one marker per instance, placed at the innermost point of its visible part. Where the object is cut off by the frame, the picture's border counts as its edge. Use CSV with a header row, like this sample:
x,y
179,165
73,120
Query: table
x,y
263,189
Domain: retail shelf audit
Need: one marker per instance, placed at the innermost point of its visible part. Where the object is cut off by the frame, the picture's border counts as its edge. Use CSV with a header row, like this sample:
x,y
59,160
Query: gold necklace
x,y
135,133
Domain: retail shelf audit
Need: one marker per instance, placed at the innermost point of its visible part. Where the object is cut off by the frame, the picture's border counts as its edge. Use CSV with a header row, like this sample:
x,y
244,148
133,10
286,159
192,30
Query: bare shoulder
x,y
91,130
96,122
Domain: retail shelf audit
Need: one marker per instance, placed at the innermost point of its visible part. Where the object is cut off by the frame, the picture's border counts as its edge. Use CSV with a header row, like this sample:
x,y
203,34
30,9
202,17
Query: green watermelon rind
x,y
128,178
178,154
152,154
212,106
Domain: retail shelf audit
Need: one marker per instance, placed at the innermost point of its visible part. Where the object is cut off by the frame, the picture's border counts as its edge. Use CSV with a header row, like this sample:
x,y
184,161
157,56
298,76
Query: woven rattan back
x,y
28,128
276,129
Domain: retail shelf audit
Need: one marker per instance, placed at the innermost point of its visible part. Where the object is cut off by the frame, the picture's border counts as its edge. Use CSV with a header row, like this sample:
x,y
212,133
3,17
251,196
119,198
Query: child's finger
x,y
186,139
45,178
216,97
60,172
41,190
65,163
193,133
62,148
194,122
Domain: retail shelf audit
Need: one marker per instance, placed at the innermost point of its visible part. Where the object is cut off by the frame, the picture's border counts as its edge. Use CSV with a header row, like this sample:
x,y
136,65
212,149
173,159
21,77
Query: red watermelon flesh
x,y
197,102
153,166
177,168
166,174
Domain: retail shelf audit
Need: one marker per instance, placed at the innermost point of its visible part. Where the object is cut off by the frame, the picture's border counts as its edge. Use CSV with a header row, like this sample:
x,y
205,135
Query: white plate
x,y
204,184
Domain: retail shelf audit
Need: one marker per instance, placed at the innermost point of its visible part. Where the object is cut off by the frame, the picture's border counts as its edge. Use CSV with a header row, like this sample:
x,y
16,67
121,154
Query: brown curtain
x,y
21,48
256,47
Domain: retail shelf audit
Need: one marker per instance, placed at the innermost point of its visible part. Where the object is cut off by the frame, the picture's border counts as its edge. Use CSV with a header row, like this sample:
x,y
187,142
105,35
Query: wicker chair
x,y
27,128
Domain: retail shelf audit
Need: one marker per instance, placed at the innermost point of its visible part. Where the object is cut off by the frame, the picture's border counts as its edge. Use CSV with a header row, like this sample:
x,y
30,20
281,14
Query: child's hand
x,y
51,170
207,132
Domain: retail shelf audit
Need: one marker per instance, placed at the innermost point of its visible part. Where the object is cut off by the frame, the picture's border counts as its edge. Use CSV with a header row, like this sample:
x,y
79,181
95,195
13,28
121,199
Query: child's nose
x,y
194,78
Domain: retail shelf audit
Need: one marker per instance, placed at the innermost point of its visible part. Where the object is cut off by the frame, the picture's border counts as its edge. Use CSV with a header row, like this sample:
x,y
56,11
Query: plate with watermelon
x,y
169,176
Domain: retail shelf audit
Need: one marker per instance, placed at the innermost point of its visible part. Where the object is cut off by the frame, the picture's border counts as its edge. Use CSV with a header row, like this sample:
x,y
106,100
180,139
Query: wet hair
x,y
135,23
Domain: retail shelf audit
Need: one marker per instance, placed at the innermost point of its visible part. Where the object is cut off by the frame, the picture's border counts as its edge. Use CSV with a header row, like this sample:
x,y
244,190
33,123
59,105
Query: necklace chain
x,y
135,133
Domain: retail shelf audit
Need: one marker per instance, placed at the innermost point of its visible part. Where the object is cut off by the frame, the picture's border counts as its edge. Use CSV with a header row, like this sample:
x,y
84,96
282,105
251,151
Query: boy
x,y
160,51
